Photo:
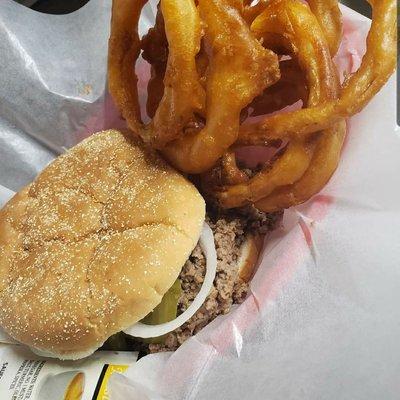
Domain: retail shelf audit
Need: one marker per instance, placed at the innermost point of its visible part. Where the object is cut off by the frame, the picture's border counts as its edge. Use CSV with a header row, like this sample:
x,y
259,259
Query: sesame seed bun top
x,y
91,246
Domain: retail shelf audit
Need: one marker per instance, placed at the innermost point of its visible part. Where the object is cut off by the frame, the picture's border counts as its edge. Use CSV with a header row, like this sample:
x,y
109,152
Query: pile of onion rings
x,y
221,72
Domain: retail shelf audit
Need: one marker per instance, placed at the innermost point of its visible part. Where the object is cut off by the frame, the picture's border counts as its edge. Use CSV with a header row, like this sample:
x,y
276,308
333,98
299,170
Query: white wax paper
x,y
322,320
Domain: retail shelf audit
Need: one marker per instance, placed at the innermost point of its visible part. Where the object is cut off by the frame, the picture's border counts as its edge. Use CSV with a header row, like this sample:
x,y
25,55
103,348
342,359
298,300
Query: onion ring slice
x,y
289,167
239,70
329,17
377,66
295,23
123,51
322,166
183,94
327,13
155,51
288,90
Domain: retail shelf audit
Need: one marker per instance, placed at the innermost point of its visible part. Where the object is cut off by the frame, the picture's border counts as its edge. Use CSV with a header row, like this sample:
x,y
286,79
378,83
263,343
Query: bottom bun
x,y
249,253
70,356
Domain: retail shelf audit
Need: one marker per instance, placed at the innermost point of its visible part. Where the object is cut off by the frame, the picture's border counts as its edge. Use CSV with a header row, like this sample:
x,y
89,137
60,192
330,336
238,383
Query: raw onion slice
x,y
207,245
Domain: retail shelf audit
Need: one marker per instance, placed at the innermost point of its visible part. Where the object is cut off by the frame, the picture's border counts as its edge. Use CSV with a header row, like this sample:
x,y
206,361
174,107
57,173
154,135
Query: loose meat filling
x,y
229,230
229,233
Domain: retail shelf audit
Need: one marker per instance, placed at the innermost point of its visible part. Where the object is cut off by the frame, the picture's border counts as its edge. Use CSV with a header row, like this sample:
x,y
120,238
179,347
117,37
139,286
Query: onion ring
x,y
155,51
250,12
327,13
290,88
322,166
295,22
289,167
123,51
183,94
203,88
377,65
239,69
233,174
329,17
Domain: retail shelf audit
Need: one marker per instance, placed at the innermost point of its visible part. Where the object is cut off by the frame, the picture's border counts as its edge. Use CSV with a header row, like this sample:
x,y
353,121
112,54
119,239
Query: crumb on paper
x,y
85,88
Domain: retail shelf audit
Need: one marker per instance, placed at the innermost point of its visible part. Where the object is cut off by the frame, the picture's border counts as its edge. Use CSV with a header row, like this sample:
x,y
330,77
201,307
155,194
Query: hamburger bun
x,y
248,256
92,245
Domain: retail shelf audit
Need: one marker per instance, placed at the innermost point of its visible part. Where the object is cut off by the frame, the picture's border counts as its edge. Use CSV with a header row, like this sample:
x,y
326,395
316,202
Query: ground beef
x,y
229,233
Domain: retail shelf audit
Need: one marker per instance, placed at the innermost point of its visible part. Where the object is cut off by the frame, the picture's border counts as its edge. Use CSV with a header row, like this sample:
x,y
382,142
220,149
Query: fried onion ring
x,y
327,13
183,94
123,51
329,17
212,66
290,88
155,51
377,65
233,174
295,22
323,164
239,70
285,170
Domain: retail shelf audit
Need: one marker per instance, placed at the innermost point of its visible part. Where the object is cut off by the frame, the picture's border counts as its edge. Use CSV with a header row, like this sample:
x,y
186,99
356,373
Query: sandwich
x,y
109,238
